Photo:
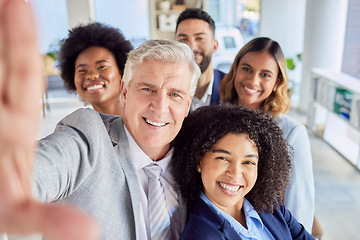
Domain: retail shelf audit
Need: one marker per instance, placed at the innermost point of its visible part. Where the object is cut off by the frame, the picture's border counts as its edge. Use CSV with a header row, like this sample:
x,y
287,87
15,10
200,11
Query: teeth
x,y
229,187
94,87
250,90
155,123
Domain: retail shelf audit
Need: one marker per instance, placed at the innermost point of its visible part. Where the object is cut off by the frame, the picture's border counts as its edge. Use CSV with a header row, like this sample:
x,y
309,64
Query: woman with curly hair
x,y
257,80
232,166
91,62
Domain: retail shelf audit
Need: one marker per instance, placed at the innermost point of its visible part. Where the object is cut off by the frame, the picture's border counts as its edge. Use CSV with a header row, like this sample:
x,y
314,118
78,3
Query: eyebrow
x,y
196,34
140,84
229,153
84,65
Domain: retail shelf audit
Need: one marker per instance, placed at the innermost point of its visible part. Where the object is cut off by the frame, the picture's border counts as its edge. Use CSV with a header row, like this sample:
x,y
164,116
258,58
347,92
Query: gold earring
x,y
199,169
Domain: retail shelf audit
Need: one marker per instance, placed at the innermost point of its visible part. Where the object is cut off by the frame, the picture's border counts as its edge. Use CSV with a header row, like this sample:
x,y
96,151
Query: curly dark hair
x,y
84,36
196,13
205,126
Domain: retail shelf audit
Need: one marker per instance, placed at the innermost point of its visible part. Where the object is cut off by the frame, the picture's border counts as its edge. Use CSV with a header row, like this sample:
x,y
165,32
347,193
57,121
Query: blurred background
x,y
319,38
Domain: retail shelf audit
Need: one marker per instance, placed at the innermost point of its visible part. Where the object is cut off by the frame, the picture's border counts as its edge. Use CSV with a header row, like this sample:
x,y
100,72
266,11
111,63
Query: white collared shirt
x,y
205,100
140,160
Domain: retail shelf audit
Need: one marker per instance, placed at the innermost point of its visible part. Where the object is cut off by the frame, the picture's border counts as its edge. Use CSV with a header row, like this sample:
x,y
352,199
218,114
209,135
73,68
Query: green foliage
x,y
54,48
52,55
290,63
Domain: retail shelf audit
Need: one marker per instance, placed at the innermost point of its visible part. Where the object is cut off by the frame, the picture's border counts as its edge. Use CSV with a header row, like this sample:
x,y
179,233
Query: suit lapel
x,y
201,209
273,224
115,127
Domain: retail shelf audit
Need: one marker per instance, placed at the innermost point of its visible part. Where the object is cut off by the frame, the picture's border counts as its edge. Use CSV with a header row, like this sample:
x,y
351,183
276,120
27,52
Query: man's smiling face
x,y
155,102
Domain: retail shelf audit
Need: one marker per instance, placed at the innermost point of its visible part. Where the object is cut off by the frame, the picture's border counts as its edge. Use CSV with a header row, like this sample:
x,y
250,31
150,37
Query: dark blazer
x,y
215,95
205,223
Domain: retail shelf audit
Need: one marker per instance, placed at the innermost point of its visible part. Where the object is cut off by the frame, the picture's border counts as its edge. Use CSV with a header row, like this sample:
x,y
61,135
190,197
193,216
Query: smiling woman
x,y
92,61
257,80
232,166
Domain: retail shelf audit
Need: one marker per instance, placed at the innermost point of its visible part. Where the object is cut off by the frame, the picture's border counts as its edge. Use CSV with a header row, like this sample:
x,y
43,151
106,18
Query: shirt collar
x,y
139,157
208,89
253,219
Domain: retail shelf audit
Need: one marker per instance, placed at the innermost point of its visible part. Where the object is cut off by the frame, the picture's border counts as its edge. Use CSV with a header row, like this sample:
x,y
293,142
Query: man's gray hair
x,y
166,51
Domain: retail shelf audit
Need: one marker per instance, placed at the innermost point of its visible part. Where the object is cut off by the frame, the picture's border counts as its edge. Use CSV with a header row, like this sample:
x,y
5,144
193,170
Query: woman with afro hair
x,y
232,166
91,62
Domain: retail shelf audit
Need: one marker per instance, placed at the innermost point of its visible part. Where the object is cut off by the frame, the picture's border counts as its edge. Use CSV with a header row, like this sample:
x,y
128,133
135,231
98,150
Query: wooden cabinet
x,y
163,22
334,112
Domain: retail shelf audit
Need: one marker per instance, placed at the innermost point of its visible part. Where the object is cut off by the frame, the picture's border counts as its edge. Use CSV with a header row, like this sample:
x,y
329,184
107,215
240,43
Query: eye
x,y
147,89
265,75
102,67
82,70
176,95
199,38
249,162
246,69
223,158
183,40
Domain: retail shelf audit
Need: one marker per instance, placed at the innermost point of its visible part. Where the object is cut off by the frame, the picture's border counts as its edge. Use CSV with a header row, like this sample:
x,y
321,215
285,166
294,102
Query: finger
x,y
21,78
24,81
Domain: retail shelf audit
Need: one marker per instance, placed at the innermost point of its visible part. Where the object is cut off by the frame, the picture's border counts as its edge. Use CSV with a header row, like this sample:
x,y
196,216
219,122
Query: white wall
x,y
131,17
80,11
323,41
284,22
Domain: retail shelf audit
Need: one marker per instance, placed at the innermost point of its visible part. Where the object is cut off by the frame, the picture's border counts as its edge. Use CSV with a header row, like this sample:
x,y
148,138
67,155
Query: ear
x,y
277,84
123,93
215,46
121,79
188,106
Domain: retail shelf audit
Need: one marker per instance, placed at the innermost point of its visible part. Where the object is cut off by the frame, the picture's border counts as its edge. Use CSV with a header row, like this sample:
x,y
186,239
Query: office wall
x,y
351,59
284,21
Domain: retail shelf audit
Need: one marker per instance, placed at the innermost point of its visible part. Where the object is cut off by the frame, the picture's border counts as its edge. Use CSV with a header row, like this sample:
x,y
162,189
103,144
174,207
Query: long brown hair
x,y
279,101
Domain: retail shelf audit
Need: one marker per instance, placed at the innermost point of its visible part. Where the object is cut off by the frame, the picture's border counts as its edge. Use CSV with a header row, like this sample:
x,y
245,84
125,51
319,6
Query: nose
x,y
159,104
234,171
254,78
192,43
92,74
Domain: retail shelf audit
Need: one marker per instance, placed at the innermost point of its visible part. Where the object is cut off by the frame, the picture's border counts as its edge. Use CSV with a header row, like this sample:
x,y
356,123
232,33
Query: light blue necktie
x,y
158,210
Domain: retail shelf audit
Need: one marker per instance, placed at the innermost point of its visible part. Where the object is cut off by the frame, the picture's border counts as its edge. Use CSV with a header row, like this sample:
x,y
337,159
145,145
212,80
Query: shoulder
x,y
285,120
289,125
87,119
218,74
81,116
281,223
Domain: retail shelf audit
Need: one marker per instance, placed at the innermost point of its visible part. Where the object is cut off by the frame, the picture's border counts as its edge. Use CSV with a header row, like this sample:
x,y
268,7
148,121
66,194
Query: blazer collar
x,y
208,214
272,222
116,131
115,128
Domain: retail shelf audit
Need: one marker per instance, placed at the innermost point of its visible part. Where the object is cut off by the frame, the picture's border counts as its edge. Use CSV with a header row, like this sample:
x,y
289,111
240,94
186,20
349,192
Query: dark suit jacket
x,y
215,95
205,223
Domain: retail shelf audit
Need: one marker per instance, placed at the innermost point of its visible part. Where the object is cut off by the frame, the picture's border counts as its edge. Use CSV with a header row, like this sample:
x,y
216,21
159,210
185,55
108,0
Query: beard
x,y
204,64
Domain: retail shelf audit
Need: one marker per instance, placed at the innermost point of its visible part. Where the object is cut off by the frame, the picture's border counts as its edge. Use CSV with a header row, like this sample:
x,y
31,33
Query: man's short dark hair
x,y
196,13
